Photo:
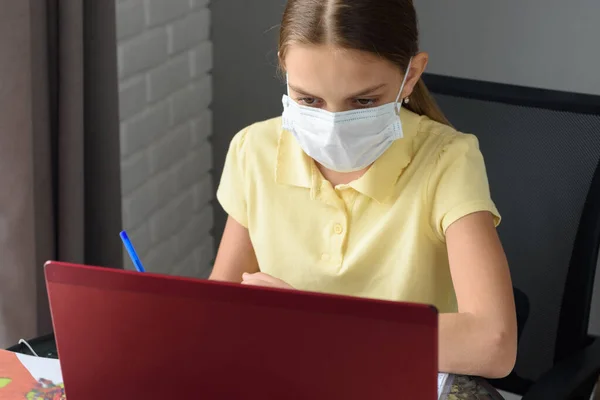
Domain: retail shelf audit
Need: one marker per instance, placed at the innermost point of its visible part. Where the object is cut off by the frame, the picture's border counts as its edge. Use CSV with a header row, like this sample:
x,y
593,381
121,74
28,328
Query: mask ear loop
x,y
398,100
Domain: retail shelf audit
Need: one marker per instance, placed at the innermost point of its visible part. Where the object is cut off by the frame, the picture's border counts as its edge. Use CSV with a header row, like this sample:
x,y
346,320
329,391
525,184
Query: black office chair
x,y
542,151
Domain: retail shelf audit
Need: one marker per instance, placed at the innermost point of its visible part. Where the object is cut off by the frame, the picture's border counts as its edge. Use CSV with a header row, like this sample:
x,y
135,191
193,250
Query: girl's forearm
x,y
471,345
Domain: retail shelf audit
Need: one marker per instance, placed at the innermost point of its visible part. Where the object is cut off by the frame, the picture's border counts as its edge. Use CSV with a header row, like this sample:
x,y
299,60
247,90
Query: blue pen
x,y
132,254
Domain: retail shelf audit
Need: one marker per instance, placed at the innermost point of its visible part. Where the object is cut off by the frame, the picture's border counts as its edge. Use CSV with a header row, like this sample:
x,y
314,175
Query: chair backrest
x,y
542,152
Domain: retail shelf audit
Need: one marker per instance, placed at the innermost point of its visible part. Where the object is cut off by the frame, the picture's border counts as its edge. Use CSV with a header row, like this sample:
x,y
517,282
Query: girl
x,y
363,188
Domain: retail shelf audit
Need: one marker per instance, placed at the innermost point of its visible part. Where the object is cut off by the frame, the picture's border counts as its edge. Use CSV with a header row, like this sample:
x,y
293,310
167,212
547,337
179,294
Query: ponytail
x,y
422,103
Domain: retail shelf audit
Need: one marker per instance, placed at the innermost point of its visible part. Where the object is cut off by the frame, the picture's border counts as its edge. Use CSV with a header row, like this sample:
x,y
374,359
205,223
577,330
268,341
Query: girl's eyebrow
x,y
300,91
369,91
364,92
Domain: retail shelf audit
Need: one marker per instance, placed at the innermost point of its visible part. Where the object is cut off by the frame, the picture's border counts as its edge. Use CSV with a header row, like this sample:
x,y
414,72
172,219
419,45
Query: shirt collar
x,y
294,167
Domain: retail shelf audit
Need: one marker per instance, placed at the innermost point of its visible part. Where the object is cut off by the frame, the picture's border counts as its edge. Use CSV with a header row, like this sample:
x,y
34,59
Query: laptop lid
x,y
129,335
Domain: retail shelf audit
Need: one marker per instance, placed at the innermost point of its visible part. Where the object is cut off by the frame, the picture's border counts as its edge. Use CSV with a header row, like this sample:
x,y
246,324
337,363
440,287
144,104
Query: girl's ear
x,y
417,67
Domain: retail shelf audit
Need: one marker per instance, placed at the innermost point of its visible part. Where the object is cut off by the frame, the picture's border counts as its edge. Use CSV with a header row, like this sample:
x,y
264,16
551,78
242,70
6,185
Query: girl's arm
x,y
236,254
481,339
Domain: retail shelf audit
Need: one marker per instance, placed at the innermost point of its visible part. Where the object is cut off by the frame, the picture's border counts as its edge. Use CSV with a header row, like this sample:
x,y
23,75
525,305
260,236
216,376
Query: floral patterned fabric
x,y
467,388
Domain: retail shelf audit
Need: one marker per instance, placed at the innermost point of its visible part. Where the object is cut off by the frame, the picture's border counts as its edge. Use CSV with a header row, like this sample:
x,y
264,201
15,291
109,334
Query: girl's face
x,y
337,79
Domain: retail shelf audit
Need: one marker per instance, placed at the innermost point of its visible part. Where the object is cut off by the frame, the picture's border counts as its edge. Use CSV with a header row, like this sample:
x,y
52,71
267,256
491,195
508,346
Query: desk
x,y
463,388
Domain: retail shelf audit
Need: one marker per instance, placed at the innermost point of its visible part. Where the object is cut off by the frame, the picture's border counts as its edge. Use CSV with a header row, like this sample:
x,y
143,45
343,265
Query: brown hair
x,y
386,28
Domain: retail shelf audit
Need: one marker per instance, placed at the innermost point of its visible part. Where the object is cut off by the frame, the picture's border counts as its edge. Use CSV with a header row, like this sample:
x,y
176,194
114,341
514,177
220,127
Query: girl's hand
x,y
264,280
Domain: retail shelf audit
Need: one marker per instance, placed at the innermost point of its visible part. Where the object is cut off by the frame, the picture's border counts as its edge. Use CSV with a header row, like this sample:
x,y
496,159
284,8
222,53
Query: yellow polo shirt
x,y
381,236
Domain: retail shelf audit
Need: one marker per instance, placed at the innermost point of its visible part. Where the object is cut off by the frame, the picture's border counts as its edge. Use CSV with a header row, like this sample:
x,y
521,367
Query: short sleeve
x,y
231,192
458,185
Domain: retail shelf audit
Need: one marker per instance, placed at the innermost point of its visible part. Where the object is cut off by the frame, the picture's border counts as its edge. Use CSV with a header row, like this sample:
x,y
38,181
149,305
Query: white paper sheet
x,y
444,385
42,368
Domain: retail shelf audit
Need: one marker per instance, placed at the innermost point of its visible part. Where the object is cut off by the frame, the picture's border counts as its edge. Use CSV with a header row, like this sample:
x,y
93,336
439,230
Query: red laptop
x,y
130,335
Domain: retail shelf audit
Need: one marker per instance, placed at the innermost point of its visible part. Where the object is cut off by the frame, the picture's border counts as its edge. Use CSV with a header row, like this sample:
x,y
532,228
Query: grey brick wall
x,y
165,60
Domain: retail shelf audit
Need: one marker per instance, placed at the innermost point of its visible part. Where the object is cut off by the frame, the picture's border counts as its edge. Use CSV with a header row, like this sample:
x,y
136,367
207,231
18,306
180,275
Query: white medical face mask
x,y
345,141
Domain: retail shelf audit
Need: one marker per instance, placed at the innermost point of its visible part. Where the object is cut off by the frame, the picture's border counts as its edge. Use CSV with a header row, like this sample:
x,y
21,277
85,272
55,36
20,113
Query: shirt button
x,y
325,257
338,229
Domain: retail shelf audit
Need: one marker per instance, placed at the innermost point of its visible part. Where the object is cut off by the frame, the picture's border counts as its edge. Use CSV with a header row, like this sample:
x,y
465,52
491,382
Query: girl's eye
x,y
365,102
308,101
